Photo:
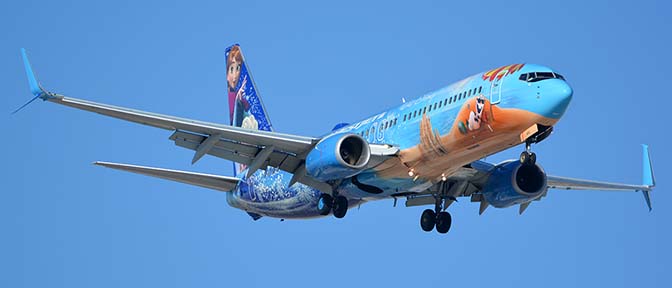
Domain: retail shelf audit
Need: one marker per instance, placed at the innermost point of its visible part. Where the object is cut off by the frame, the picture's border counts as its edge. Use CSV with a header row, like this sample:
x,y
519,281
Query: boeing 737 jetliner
x,y
426,150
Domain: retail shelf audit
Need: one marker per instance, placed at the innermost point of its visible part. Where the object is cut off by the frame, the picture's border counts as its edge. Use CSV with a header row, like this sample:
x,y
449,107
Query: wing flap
x,y
216,182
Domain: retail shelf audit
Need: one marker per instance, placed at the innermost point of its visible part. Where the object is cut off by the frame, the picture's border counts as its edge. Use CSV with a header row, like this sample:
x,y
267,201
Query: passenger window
x,y
469,93
430,108
479,89
435,106
424,110
415,113
445,102
440,102
395,121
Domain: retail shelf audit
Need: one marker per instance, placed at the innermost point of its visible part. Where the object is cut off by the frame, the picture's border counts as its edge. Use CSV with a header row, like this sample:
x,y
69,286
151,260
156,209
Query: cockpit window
x,y
539,76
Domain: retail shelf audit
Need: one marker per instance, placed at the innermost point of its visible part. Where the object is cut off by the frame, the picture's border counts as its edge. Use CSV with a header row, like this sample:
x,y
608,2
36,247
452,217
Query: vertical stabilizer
x,y
245,106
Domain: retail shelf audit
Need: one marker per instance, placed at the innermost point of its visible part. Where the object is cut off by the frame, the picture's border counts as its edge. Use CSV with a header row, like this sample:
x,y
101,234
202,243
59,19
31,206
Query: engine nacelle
x,y
338,156
512,183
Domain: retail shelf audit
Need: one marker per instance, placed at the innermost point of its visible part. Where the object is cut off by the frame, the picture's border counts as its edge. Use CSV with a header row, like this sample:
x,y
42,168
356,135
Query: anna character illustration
x,y
239,105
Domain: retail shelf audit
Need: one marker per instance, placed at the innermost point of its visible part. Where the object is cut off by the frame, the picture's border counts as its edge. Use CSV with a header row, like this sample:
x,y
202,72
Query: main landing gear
x,y
528,157
338,205
431,219
438,217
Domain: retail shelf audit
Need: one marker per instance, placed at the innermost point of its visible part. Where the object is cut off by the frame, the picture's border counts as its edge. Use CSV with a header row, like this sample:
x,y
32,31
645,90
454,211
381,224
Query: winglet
x,y
647,174
35,87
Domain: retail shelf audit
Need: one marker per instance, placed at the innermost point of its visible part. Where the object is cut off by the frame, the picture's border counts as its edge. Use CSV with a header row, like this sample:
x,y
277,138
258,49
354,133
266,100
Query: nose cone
x,y
557,97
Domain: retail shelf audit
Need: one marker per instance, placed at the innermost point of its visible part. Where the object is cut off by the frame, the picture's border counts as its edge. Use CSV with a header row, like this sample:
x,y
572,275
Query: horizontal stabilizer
x,y
216,182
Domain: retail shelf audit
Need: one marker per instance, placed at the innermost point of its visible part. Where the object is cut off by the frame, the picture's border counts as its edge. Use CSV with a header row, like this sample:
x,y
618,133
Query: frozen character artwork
x,y
476,117
239,105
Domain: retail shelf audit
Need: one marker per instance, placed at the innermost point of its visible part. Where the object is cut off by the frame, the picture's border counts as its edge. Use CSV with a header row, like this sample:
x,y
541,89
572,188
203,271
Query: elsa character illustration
x,y
239,105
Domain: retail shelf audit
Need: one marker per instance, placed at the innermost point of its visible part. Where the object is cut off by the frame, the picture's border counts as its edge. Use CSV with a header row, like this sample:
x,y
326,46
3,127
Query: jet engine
x,y
338,156
512,183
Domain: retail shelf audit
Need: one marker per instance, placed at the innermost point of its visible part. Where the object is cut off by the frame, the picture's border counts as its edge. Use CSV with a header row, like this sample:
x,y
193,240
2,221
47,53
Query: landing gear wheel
x,y
340,206
528,158
427,220
324,204
524,157
443,222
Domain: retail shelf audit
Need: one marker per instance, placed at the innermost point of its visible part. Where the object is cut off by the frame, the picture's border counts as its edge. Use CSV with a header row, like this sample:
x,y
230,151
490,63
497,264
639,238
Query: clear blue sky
x,y
66,223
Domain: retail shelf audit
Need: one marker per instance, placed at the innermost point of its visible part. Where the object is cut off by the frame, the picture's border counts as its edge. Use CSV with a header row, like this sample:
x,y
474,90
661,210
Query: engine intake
x,y
338,156
512,183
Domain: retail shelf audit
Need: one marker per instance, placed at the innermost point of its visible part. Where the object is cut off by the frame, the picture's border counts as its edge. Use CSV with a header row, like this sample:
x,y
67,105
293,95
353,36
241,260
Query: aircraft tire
x,y
428,220
340,206
324,204
443,222
524,158
527,158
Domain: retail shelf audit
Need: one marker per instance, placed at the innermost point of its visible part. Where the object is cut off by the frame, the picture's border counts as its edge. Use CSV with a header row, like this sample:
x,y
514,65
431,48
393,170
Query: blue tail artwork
x,y
245,107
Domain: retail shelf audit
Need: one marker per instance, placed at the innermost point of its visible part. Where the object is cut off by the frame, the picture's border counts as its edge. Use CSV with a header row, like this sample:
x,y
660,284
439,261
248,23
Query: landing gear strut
x,y
528,157
437,217
338,205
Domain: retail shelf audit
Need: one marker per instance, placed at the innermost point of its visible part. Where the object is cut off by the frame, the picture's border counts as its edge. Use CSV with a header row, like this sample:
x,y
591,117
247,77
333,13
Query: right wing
x,y
254,148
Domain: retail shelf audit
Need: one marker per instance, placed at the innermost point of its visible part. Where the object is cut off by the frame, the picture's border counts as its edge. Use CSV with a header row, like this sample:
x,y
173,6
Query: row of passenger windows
x,y
410,115
449,100
539,76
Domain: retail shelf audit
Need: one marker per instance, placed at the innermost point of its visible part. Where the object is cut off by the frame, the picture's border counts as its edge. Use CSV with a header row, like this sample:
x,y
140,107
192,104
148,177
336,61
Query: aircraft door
x,y
496,87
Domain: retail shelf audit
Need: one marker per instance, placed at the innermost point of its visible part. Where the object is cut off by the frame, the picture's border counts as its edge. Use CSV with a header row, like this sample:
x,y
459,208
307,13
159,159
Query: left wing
x,y
469,180
649,182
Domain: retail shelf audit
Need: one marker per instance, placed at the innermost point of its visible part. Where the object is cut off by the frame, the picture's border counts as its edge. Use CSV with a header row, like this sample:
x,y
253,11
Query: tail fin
x,y
245,107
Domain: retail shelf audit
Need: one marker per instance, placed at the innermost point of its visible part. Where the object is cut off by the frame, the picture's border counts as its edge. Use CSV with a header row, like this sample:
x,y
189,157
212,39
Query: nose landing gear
x,y
528,157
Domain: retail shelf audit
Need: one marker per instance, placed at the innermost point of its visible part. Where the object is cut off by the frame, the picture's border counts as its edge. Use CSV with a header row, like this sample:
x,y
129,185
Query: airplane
x,y
427,150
